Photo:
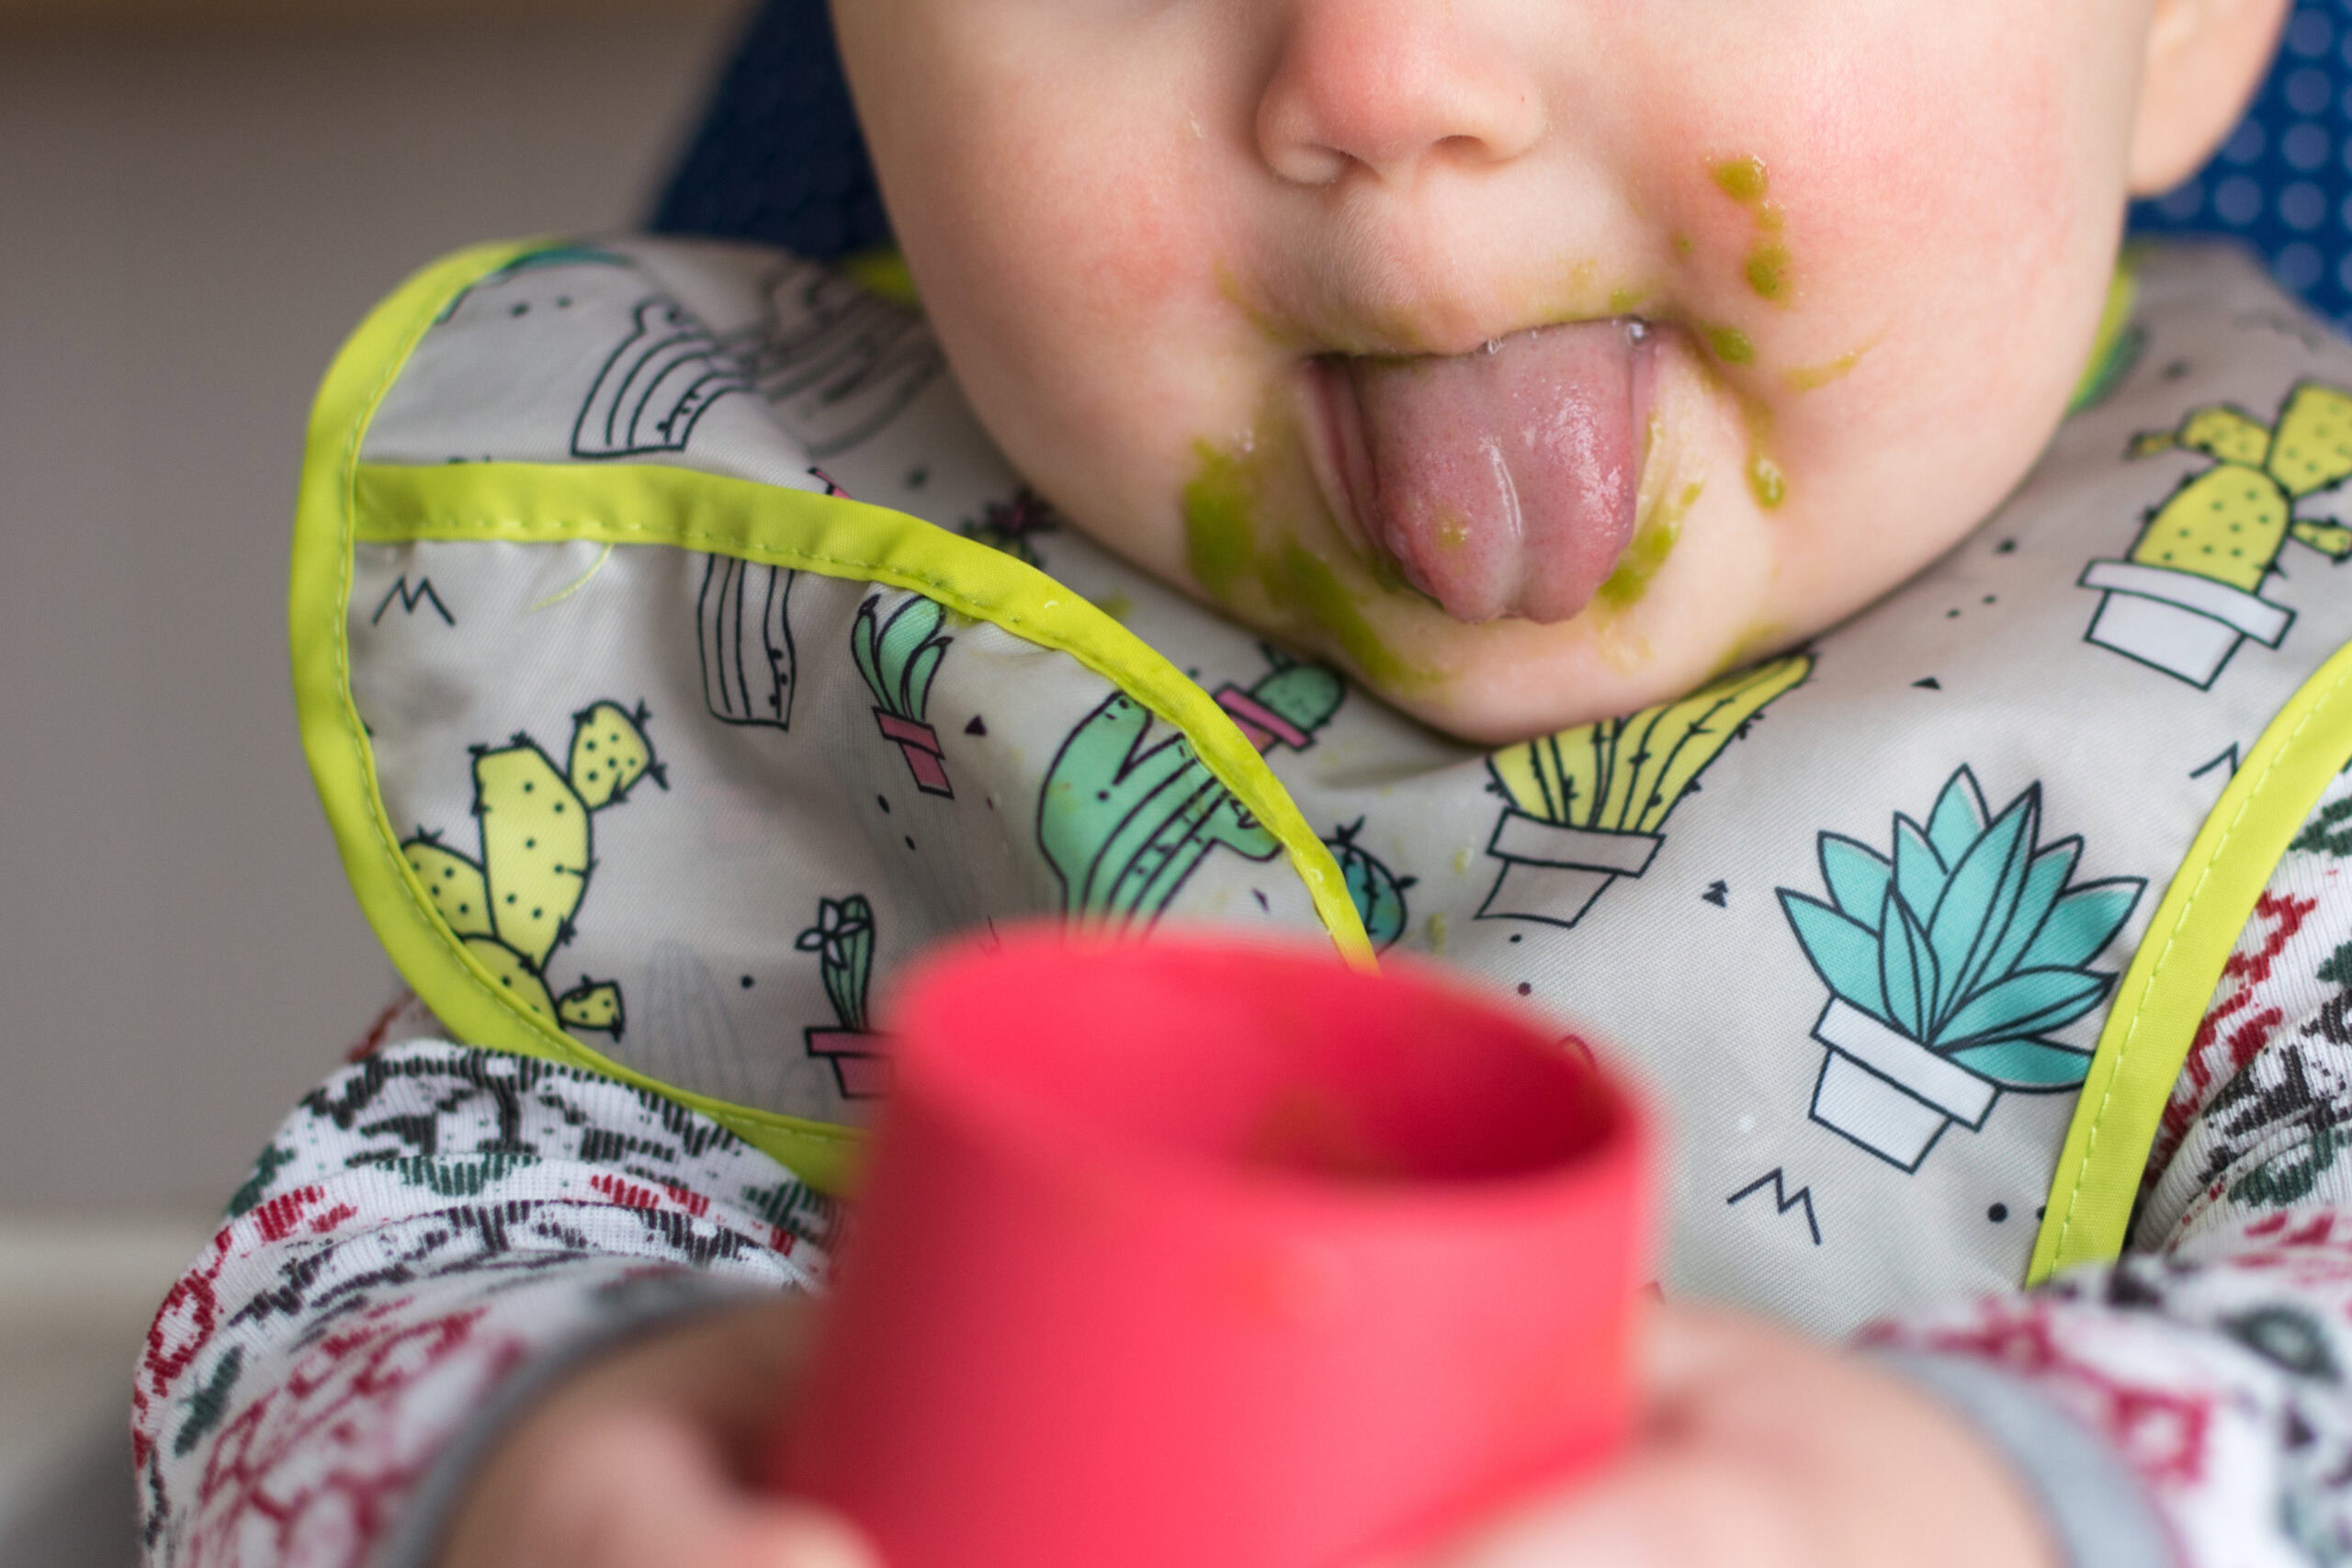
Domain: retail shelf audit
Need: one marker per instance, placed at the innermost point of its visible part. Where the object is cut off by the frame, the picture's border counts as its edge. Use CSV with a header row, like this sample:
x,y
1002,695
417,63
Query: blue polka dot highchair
x,y
779,158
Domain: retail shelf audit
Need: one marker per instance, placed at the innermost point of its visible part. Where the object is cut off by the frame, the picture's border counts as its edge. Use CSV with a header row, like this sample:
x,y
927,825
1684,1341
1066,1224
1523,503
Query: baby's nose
x,y
1390,84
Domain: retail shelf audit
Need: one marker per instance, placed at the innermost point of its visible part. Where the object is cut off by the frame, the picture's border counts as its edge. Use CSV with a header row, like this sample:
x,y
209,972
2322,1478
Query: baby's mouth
x,y
1501,482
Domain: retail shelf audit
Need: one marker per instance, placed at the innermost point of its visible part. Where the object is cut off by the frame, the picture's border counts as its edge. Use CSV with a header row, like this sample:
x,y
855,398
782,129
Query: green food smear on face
x,y
1745,181
1765,478
1730,345
1221,506
1742,179
1768,270
1304,584
1218,506
1638,565
1653,543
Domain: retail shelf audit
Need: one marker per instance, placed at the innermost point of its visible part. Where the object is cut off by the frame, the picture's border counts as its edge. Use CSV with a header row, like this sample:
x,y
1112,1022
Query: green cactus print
x,y
512,908
842,939
1125,820
1287,706
2229,523
899,657
1378,892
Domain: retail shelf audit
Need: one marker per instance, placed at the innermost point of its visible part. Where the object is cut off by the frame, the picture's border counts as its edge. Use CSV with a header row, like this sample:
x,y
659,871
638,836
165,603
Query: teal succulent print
x,y
842,939
1966,947
899,655
1377,892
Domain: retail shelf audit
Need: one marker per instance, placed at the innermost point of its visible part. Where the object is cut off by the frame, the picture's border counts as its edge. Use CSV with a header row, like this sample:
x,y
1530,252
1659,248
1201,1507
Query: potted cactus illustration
x,y
900,659
843,939
657,385
1590,805
2191,590
1287,706
1014,527
1378,892
515,903
1950,965
1125,818
749,666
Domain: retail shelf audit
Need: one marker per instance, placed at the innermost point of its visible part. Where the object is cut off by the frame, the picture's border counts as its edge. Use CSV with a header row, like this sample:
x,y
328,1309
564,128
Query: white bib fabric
x,y
650,747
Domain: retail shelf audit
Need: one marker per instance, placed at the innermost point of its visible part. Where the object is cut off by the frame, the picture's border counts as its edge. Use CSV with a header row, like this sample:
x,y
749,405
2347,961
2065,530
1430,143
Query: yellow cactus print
x,y
2226,434
2314,444
592,1005
534,847
508,971
512,907
454,882
1626,776
2229,523
609,754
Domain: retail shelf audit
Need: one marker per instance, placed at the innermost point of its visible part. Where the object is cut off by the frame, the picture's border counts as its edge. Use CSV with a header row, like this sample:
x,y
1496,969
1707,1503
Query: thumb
x,y
791,1534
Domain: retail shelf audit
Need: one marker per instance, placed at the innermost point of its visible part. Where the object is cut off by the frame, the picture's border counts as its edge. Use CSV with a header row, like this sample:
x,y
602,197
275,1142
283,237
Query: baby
x,y
1568,376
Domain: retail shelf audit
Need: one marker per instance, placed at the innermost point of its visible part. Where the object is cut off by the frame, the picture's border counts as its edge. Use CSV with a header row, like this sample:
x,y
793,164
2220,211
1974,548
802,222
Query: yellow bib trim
x,y
2172,978
344,503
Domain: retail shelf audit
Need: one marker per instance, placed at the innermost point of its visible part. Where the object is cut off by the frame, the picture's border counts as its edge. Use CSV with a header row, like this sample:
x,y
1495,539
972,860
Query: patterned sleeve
x,y
2213,1358
433,1227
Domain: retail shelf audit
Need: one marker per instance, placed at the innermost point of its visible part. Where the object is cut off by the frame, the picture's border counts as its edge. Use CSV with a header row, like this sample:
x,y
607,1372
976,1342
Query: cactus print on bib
x,y
1858,916
514,905
1590,805
2191,592
1953,961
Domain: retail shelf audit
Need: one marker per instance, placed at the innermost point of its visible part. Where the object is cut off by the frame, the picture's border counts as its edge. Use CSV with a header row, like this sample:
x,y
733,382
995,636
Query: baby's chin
x,y
1503,682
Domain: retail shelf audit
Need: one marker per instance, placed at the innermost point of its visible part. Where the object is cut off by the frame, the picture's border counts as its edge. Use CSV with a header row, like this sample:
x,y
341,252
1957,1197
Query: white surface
x,y
188,226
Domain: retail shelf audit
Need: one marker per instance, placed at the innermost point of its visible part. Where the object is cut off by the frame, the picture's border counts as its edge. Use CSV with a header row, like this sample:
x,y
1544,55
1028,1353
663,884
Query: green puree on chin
x,y
1221,505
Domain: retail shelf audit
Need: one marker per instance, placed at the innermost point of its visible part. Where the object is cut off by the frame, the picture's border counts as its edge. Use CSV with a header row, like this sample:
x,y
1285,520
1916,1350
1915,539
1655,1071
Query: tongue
x,y
1502,480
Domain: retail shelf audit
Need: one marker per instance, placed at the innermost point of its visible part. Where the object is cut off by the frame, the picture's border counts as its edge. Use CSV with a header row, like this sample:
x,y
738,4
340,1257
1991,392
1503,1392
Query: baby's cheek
x,y
1942,230
1069,259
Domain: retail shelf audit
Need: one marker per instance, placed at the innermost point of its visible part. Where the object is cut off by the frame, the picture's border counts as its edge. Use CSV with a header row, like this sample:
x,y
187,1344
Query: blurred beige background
x,y
197,200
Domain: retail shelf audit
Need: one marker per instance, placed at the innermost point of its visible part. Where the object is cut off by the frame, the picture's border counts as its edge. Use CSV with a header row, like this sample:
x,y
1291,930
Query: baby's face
x,y
1534,359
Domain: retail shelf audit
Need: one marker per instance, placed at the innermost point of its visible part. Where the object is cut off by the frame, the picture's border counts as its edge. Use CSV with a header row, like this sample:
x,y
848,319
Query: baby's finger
x,y
643,1489
792,1535
1683,1349
1678,1511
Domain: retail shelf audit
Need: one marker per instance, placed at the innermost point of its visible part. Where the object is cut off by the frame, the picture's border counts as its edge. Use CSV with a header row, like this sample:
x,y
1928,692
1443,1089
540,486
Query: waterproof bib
x,y
677,658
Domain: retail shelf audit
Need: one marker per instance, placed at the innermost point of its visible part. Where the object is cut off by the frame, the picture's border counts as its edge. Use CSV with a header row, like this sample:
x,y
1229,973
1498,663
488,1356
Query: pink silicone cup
x,y
1196,1253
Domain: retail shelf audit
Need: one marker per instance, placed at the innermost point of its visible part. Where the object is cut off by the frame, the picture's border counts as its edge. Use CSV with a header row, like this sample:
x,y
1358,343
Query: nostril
x,y
1309,165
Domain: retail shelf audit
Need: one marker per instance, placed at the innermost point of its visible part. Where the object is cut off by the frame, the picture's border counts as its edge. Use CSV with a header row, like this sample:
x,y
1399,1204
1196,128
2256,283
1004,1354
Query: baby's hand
x,y
1760,1450
650,1456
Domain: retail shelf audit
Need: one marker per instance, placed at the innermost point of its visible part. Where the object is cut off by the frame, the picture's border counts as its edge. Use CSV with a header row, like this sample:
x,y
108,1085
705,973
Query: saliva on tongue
x,y
1503,482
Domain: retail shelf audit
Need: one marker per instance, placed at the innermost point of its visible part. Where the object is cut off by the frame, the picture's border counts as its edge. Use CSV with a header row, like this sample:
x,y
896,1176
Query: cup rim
x,y
933,1081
